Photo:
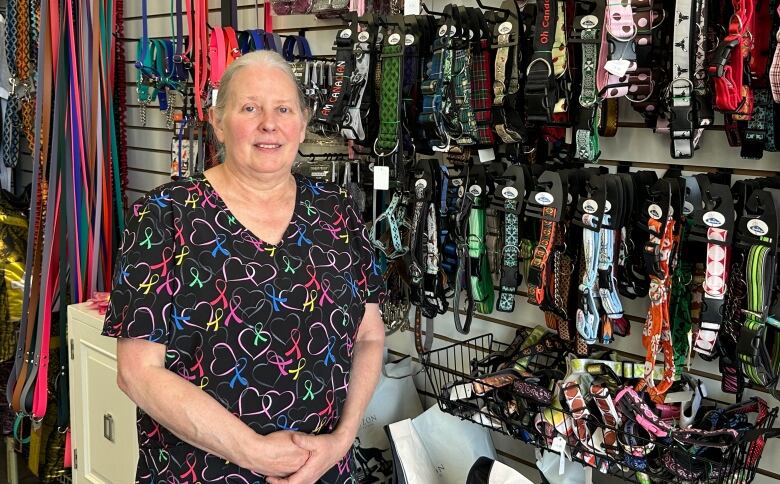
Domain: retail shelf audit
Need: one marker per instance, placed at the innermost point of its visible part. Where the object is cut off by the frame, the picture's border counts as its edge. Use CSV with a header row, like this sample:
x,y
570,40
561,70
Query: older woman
x,y
245,301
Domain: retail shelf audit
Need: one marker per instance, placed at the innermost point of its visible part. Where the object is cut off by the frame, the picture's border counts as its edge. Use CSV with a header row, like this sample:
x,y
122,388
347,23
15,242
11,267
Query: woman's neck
x,y
254,187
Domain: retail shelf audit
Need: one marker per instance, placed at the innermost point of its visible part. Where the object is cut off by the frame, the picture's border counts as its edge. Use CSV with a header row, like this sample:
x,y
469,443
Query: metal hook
x,y
507,13
431,12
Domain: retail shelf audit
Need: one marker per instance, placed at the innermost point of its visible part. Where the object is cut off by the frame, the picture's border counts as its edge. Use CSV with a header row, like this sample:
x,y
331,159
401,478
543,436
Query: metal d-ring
x,y
652,89
539,59
382,155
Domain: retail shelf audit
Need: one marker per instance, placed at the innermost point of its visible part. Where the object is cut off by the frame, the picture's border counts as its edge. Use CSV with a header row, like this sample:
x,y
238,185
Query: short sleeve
x,y
370,278
140,306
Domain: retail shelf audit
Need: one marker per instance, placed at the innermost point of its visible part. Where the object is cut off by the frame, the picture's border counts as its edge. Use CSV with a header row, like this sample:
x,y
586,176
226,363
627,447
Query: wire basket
x,y
635,456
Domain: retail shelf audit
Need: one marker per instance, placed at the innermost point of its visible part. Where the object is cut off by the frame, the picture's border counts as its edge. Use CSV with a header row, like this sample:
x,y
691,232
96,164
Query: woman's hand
x,y
326,451
280,455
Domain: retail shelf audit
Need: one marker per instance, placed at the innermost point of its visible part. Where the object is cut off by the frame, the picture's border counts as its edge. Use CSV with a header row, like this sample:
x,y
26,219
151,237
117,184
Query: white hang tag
x,y
558,444
617,67
460,392
411,7
214,96
486,155
562,464
381,177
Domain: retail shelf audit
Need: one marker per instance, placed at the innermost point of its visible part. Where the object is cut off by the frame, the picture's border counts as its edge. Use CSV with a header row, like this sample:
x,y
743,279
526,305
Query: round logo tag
x,y
590,206
757,227
457,182
421,183
505,28
589,21
544,198
714,219
461,191
655,211
475,190
607,206
409,39
510,193
394,39
569,199
442,31
346,33
363,36
687,208
370,167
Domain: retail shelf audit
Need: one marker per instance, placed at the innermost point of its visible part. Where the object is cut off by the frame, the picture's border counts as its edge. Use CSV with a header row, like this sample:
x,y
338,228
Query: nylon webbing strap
x,y
437,82
352,127
536,274
461,80
755,136
541,89
510,258
390,96
607,270
588,310
656,335
683,116
586,135
332,111
464,265
508,123
716,275
760,366
480,277
481,85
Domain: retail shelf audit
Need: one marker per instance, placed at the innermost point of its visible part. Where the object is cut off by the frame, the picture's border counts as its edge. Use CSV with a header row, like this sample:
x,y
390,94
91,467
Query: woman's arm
x,y
328,449
195,417
364,375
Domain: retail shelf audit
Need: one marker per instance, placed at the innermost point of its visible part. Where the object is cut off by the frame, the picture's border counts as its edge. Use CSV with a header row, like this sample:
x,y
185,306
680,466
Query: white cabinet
x,y
103,429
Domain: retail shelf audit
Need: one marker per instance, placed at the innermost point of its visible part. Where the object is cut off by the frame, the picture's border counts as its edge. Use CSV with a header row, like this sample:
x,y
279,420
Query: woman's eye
x,y
249,109
284,109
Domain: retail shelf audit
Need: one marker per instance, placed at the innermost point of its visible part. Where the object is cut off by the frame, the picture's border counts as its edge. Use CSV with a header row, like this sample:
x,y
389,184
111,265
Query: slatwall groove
x,y
644,149
149,150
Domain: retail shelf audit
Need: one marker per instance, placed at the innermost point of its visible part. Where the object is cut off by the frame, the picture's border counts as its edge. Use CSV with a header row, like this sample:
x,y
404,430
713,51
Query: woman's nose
x,y
267,121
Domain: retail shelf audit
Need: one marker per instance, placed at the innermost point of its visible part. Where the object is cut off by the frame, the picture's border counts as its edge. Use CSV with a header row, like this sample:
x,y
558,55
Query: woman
x,y
245,301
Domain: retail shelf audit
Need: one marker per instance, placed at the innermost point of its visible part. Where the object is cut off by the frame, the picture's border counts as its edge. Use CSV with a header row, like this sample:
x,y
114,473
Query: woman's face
x,y
262,124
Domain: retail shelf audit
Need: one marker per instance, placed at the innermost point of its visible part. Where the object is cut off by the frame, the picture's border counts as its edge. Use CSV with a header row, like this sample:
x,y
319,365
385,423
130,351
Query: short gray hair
x,y
267,58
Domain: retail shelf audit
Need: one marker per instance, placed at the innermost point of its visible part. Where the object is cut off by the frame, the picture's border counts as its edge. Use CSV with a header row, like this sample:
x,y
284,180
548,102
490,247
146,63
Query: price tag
x,y
618,67
462,391
558,444
411,7
486,155
214,96
381,177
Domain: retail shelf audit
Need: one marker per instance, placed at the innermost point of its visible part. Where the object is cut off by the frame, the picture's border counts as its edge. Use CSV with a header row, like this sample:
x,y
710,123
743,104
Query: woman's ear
x,y
216,123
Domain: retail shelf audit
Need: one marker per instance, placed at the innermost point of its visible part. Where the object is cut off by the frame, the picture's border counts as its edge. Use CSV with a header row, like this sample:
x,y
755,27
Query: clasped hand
x,y
297,458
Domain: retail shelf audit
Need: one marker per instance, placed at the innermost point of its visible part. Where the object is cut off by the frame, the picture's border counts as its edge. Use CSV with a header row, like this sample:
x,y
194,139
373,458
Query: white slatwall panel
x,y
148,160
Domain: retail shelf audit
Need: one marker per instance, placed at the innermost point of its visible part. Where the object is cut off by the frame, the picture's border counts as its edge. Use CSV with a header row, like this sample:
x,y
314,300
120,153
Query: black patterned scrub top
x,y
266,330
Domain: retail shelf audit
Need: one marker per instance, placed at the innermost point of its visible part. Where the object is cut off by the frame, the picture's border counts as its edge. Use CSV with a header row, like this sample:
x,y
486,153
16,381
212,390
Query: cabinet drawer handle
x,y
108,427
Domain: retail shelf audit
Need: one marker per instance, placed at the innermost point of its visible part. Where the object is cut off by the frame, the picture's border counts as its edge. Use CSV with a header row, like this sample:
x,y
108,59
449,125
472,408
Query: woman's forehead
x,y
264,82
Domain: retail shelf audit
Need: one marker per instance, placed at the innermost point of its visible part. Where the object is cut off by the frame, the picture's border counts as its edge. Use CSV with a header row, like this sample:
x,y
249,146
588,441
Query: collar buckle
x,y
721,57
